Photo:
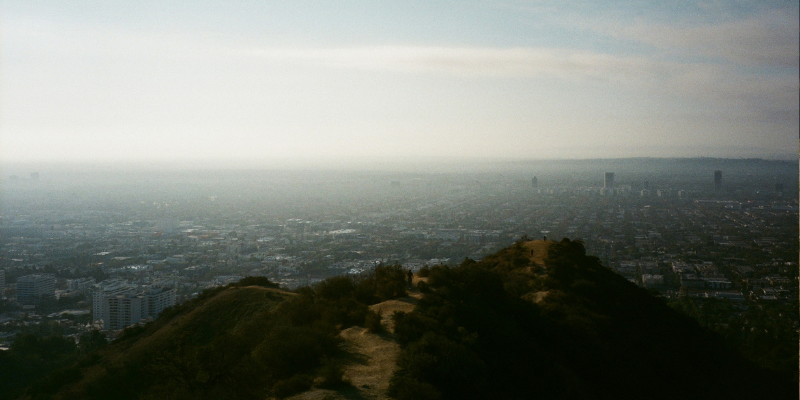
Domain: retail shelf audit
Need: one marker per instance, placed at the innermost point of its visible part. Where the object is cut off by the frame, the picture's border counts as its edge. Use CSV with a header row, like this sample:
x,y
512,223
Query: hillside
x,y
544,320
535,320
248,340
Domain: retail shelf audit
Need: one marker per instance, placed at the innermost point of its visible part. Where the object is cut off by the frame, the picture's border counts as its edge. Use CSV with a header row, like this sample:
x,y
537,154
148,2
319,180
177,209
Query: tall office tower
x,y
608,180
31,289
535,182
717,180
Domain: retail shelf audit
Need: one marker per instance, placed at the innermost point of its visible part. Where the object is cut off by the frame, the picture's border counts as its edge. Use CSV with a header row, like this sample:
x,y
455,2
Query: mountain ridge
x,y
537,319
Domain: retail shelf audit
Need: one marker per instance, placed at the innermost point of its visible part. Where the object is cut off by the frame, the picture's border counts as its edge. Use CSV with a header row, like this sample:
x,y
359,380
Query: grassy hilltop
x,y
535,320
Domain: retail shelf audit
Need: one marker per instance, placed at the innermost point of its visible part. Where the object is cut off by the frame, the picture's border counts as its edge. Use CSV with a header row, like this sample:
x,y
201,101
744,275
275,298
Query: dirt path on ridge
x,y
373,357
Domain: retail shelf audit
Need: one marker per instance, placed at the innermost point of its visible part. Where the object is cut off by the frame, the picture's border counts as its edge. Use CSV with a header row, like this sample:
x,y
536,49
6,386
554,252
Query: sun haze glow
x,y
362,81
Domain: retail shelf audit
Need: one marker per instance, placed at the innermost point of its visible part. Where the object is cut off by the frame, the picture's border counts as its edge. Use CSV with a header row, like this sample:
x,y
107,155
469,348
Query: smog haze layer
x,y
302,84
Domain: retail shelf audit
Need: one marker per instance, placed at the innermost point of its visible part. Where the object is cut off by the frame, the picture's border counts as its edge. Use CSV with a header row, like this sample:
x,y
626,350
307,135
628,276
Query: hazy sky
x,y
310,81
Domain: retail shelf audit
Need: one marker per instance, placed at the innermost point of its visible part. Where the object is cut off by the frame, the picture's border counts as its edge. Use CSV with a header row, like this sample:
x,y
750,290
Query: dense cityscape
x,y
78,258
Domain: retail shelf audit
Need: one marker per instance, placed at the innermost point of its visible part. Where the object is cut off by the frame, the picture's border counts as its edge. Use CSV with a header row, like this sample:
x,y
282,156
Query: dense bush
x,y
336,288
256,281
381,284
373,322
424,271
289,350
32,358
594,335
293,385
332,374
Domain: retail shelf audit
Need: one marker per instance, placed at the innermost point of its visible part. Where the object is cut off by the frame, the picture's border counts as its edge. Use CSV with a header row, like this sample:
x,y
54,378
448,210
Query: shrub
x,y
332,374
345,312
373,322
57,379
257,281
406,388
383,283
390,282
411,327
336,288
290,350
293,385
424,271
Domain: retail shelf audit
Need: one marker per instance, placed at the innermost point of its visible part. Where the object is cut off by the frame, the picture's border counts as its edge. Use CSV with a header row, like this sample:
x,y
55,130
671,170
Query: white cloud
x,y
467,61
767,39
719,87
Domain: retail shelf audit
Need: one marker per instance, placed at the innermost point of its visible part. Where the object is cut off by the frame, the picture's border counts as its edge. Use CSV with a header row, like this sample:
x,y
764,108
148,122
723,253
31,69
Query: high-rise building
x,y
31,289
535,182
108,289
608,180
120,305
717,180
156,300
124,310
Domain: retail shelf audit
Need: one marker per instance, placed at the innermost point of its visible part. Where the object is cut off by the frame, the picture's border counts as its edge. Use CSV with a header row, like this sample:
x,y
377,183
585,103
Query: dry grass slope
x,y
225,310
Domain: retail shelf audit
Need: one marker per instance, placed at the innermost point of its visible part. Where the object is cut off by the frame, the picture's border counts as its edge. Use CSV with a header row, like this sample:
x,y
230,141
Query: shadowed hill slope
x,y
544,320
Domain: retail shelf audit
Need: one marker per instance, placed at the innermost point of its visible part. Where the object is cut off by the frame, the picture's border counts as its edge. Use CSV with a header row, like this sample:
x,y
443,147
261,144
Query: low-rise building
x,y
652,281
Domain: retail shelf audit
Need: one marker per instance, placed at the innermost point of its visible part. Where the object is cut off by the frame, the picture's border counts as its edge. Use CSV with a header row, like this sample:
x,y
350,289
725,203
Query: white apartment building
x,y
107,290
31,289
82,285
124,310
120,304
156,300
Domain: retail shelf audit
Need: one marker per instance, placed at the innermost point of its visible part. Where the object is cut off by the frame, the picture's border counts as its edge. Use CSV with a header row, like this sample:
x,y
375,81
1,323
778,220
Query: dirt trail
x,y
372,358
538,250
538,253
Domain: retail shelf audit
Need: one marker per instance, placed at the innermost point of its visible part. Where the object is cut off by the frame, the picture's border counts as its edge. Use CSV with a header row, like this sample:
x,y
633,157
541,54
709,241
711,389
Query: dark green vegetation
x,y
32,357
555,325
248,340
507,328
765,333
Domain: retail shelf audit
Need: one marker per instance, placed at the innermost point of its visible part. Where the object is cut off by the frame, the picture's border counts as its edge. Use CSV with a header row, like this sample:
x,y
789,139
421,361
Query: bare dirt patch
x,y
376,361
389,307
